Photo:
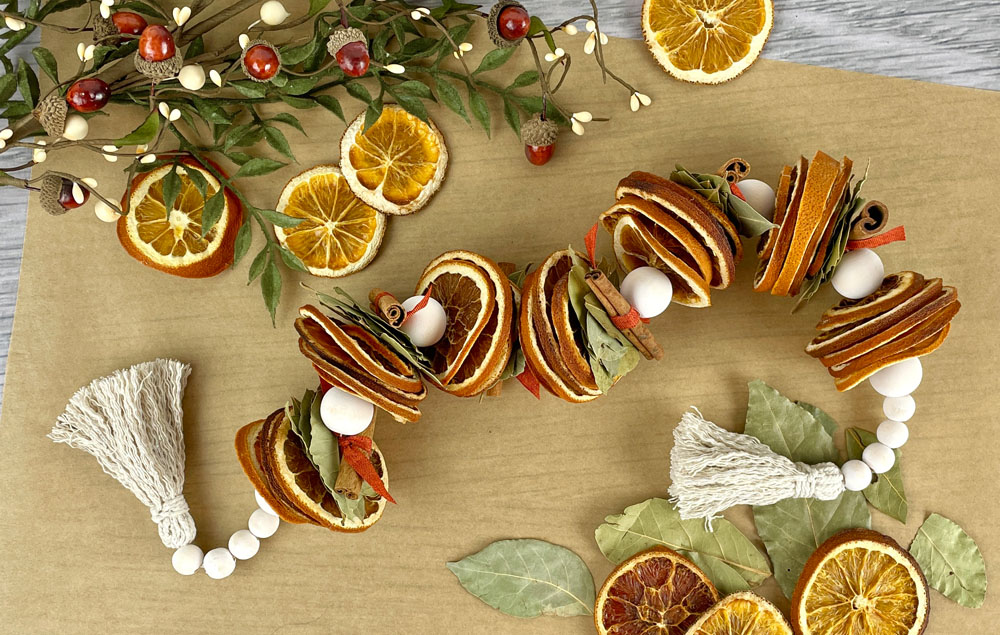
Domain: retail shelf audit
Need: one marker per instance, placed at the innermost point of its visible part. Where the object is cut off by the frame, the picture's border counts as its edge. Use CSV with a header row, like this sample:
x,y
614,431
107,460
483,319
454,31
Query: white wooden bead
x,y
859,273
898,380
426,327
263,504
647,289
893,434
857,475
219,563
262,524
899,408
345,413
879,457
243,544
759,196
187,559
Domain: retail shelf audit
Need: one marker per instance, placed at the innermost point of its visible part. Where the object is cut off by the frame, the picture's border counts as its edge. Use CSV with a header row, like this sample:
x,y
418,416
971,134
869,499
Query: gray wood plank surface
x,y
952,43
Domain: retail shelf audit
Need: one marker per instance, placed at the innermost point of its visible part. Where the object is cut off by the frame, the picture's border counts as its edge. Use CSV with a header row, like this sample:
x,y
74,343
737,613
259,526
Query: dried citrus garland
x,y
201,106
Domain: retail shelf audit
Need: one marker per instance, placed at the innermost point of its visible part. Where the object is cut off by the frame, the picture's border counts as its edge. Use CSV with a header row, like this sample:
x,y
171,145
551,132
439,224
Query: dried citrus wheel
x,y
655,592
171,240
742,614
339,234
396,165
860,582
709,41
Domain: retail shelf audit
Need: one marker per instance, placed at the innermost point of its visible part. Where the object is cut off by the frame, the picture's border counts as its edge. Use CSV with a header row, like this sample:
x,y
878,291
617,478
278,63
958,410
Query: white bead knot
x,y
822,482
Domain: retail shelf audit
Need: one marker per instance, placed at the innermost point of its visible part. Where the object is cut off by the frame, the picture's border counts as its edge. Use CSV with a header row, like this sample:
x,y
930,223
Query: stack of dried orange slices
x,y
392,168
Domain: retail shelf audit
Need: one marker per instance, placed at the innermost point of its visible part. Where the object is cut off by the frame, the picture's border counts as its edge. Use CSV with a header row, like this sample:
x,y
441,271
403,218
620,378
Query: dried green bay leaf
x,y
726,556
886,493
787,428
528,578
951,561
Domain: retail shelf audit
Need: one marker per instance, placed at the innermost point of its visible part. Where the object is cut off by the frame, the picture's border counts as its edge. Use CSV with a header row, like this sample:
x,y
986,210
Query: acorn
x,y
49,193
158,57
51,113
539,136
104,28
349,47
508,23
260,61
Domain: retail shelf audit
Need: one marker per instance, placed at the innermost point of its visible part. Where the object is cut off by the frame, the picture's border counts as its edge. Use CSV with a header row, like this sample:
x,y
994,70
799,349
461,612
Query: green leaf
x,y
951,561
412,105
291,260
298,54
171,188
257,266
512,116
145,133
195,48
247,88
495,59
8,84
289,120
278,219
448,95
728,557
298,102
315,6
717,190
301,85
213,212
47,62
243,239
210,112
886,493
786,428
330,103
270,288
480,110
528,578
27,83
258,166
825,420
372,113
359,92
413,87
276,139
527,78
537,26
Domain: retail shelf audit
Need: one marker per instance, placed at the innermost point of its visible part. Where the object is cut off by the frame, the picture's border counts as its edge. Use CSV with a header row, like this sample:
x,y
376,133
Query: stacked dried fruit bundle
x,y
908,316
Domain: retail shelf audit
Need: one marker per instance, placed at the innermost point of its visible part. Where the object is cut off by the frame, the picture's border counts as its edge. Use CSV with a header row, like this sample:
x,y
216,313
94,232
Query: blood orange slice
x,y
654,592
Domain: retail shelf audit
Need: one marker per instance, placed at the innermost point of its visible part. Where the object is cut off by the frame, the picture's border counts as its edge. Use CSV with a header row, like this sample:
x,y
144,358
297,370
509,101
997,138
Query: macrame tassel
x,y
132,422
712,469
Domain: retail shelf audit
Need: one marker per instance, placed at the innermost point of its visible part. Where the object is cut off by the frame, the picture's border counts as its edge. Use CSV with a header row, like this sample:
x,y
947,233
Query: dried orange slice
x,y
742,614
860,582
709,41
339,234
248,451
396,165
171,240
656,591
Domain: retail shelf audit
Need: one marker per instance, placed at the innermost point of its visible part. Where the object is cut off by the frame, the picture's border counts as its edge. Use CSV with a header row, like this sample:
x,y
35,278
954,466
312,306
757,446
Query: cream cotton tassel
x,y
132,422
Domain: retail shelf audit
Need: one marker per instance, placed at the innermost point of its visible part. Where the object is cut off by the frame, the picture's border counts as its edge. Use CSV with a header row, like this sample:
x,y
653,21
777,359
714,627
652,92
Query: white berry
x,y
899,408
219,563
859,273
192,77
893,434
879,457
345,413
187,559
649,290
759,196
263,504
426,327
273,12
105,212
76,128
899,379
857,475
262,524
243,544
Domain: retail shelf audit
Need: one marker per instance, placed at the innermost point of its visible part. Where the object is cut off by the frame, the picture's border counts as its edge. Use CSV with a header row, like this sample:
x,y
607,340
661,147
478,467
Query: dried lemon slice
x,y
741,614
396,165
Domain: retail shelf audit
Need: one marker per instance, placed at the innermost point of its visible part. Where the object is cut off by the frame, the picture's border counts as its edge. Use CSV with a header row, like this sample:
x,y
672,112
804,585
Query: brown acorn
x,y
507,23
539,136
51,113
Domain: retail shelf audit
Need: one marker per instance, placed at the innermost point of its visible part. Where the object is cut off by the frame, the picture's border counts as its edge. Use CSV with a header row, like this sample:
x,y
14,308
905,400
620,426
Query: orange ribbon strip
x,y
357,451
735,189
628,321
893,235
529,381
420,305
591,242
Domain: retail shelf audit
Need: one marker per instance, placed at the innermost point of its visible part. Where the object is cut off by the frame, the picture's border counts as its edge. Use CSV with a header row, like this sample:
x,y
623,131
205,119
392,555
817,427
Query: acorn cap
x,y
104,28
539,132
51,113
159,71
493,20
243,62
342,37
49,192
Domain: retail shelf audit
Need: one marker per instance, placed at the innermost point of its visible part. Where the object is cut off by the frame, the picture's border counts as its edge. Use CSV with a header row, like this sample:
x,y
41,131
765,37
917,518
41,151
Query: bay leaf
x,y
951,561
886,493
728,557
528,578
829,423
786,428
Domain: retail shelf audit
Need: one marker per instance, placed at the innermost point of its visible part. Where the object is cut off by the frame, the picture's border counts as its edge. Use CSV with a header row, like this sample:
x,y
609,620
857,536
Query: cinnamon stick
x,y
496,389
869,220
386,305
734,170
348,482
617,306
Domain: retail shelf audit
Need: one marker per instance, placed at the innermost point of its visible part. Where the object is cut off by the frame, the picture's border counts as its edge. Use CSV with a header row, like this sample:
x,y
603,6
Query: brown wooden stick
x,y
616,305
348,482
387,306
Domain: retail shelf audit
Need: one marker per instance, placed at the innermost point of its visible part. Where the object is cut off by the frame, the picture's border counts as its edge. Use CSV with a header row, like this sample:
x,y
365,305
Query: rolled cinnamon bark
x,y
617,306
869,221
386,305
734,170
348,482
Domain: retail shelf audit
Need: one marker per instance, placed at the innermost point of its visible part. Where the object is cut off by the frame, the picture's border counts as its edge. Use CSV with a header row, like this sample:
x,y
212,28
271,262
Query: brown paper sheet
x,y
79,554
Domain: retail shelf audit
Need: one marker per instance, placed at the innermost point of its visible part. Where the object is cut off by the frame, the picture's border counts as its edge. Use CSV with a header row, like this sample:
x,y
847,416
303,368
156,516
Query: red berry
x,y
513,23
261,62
156,44
539,155
129,23
66,195
353,59
88,95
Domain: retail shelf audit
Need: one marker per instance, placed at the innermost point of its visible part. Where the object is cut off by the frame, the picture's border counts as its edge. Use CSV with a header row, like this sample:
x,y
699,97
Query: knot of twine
x,y
822,481
174,522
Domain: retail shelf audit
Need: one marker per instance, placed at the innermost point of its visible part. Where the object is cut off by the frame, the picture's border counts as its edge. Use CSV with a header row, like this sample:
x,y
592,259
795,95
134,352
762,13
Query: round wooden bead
x,y
243,544
879,457
647,289
893,434
898,380
263,503
759,196
857,475
426,327
345,413
859,273
219,563
899,408
187,559
262,524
